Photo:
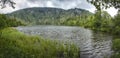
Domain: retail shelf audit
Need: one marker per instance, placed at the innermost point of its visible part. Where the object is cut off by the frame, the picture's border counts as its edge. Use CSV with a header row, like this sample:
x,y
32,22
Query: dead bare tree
x,y
4,3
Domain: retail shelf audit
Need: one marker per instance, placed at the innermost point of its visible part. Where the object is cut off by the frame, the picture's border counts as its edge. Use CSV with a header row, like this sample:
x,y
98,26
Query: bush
x,y
9,22
116,45
116,48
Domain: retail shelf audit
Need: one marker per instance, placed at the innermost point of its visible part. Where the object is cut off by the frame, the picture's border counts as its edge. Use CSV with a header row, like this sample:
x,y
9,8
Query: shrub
x,y
116,48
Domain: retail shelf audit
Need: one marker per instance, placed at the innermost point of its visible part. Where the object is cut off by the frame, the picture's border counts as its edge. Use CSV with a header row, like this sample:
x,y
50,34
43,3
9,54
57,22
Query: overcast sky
x,y
65,4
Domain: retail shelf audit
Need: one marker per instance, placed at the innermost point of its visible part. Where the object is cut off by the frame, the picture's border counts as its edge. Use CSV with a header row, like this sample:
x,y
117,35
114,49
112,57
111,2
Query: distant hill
x,y
46,15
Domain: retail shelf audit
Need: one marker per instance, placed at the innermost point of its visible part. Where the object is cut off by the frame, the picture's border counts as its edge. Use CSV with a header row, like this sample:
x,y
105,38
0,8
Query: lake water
x,y
92,44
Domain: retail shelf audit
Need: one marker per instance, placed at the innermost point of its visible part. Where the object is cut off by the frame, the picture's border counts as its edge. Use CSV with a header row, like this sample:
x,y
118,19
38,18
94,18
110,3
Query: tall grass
x,y
116,48
14,44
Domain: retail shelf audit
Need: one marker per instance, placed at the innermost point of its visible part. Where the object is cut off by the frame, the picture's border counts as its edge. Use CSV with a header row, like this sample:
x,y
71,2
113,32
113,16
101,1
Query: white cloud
x,y
49,4
112,11
65,4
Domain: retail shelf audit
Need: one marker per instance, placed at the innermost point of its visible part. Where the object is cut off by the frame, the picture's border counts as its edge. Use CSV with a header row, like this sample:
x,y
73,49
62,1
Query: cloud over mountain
x,y
65,4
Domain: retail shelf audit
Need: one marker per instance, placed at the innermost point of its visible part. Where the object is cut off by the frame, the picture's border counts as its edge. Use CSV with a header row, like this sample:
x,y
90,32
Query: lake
x,y
92,44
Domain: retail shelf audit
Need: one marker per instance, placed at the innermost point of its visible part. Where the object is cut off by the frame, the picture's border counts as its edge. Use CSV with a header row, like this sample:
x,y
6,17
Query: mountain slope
x,y
45,15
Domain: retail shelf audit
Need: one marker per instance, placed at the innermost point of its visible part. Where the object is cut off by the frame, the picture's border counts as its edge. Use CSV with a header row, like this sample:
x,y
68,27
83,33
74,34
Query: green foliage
x,y
116,48
102,21
83,21
116,45
116,32
14,44
117,24
9,22
3,21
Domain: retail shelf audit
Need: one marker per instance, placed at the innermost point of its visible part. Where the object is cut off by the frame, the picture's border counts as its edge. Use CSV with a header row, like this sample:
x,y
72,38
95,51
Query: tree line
x,y
9,22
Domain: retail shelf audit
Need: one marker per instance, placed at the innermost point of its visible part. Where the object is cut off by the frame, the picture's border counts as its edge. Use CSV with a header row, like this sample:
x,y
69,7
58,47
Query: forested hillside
x,y
46,16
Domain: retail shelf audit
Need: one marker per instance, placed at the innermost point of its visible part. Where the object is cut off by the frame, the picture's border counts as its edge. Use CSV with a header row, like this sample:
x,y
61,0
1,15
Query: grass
x,y
14,44
116,48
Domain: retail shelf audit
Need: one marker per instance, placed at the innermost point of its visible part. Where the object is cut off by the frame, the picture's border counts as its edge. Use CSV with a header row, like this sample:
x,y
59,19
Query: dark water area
x,y
92,44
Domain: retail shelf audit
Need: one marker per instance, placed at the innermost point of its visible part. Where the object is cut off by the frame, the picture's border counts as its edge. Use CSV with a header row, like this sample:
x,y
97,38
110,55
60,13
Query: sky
x,y
64,4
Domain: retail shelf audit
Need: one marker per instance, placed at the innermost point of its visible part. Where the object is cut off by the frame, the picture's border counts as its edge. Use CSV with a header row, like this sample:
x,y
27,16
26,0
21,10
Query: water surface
x,y
92,44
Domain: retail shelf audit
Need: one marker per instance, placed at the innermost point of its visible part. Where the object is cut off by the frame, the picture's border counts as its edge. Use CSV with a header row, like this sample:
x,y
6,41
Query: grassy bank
x,y
14,44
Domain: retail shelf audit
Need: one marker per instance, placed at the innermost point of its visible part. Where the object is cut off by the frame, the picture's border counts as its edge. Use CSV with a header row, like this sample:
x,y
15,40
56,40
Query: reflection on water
x,y
92,45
